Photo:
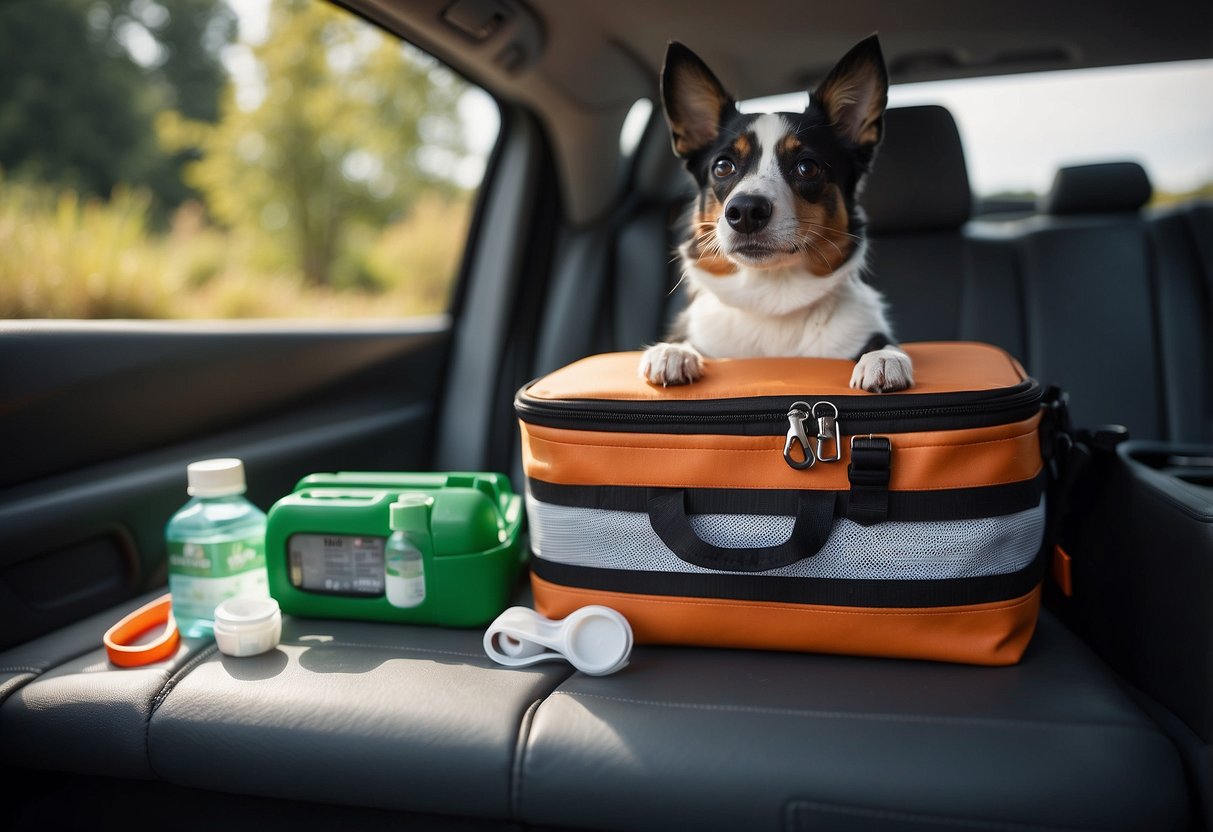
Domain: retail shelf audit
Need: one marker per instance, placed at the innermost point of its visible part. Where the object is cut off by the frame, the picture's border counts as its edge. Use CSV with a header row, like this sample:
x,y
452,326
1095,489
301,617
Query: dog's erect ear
x,y
694,101
855,93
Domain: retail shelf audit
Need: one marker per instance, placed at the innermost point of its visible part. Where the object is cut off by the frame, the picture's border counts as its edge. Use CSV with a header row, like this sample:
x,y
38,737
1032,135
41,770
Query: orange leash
x,y
120,639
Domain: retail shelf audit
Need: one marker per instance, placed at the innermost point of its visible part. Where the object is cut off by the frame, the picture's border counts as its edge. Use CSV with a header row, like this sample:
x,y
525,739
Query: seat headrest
x,y
1097,189
919,181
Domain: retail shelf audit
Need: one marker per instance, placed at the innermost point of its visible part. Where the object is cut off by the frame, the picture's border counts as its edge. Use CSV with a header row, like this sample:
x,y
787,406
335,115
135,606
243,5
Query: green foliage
x,y
1161,198
66,256
335,144
333,190
76,105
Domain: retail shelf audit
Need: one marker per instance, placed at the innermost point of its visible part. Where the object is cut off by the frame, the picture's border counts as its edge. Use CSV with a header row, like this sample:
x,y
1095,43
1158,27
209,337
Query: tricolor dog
x,y
776,243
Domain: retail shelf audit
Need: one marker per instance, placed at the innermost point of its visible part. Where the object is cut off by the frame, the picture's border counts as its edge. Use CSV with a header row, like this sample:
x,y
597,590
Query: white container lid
x,y
247,626
215,478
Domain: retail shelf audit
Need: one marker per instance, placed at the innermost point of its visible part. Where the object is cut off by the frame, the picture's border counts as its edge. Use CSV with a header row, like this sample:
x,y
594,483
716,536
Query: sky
x,y
1017,130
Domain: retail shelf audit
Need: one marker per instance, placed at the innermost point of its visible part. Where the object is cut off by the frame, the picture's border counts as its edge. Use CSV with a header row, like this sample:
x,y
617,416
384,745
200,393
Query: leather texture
x,y
392,716
1143,559
921,275
70,709
1107,188
1091,324
697,739
1184,278
417,718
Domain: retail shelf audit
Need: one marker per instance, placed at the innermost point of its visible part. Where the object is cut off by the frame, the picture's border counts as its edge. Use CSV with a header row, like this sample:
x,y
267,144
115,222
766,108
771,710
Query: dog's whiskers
x,y
823,237
809,224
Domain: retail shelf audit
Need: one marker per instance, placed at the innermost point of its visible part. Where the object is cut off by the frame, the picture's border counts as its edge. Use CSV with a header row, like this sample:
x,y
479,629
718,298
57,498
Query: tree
x,y
81,81
339,138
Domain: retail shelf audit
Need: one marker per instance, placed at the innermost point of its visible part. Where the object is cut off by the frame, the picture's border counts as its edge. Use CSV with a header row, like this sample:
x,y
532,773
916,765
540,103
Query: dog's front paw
x,y
667,364
882,371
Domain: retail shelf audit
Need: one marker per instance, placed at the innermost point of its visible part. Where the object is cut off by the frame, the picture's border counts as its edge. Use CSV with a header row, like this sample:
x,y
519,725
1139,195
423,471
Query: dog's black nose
x,y
747,213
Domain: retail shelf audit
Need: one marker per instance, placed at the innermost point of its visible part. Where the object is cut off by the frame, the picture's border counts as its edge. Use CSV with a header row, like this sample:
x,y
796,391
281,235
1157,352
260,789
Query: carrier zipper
x,y
773,417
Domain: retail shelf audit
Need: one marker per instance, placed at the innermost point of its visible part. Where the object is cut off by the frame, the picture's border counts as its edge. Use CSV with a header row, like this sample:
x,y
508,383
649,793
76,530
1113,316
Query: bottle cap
x,y
247,626
215,478
411,511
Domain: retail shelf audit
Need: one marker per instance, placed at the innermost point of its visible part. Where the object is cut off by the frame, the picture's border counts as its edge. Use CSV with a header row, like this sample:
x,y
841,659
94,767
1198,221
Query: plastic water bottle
x,y
216,546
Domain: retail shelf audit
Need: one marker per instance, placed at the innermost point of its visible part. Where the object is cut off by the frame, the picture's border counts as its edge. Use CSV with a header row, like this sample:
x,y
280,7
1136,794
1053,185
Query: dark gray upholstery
x,y
1090,318
416,718
369,714
916,200
1185,314
399,717
697,739
920,181
66,707
1105,188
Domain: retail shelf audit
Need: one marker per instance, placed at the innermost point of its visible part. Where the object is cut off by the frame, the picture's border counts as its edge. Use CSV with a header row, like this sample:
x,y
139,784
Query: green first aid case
x,y
331,551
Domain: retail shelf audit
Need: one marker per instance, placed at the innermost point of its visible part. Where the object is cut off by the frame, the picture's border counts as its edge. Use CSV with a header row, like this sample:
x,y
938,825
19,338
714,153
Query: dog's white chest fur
x,y
751,314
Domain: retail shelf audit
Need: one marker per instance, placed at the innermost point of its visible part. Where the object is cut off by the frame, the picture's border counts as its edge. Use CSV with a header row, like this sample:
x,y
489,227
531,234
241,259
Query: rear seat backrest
x,y
1089,297
612,286
1183,251
916,199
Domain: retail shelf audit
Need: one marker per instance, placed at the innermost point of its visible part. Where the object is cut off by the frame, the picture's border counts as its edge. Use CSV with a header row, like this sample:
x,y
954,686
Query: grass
x,y
62,256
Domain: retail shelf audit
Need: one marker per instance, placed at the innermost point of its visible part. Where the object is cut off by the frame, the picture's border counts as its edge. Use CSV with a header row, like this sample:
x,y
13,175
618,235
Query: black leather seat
x,y
699,739
917,199
417,719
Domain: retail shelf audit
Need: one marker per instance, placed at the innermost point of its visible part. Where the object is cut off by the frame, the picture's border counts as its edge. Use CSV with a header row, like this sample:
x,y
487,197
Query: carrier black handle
x,y
814,518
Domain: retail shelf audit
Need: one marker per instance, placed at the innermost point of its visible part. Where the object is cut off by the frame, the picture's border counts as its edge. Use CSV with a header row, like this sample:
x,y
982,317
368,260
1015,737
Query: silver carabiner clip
x,y
827,431
797,414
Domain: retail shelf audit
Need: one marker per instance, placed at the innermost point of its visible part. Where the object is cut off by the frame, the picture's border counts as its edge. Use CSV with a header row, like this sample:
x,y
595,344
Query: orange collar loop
x,y
120,639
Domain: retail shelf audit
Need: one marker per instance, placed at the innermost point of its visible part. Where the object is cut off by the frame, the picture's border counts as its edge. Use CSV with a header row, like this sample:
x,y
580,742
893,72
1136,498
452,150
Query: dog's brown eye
x,y
723,167
808,169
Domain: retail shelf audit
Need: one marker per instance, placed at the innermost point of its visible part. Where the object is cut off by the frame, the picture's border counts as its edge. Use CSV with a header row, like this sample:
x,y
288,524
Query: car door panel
x,y
100,421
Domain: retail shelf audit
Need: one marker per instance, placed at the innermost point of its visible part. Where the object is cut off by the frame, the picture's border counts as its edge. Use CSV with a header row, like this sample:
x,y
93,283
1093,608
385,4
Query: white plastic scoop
x,y
596,640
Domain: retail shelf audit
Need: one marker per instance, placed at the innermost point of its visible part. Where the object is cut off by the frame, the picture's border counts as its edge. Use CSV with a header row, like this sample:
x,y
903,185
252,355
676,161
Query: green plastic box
x,y
326,542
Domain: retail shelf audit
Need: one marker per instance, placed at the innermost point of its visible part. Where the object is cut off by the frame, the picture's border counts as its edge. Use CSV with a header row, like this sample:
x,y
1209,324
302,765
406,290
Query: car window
x,y
1019,129
205,159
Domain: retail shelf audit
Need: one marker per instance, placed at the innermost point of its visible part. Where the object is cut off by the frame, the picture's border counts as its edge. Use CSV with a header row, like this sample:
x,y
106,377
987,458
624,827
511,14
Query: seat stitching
x,y
865,717
162,694
395,648
519,761
946,820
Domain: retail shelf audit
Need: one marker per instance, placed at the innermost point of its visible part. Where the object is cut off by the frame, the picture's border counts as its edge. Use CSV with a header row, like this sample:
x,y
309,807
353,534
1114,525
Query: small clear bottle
x,y
216,546
404,553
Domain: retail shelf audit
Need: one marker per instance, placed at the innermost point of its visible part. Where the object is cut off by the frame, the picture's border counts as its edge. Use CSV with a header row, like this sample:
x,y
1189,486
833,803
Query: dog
x,y
776,242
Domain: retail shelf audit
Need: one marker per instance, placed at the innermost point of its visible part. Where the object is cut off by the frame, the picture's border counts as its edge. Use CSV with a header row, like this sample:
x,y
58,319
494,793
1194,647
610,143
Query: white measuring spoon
x,y
596,640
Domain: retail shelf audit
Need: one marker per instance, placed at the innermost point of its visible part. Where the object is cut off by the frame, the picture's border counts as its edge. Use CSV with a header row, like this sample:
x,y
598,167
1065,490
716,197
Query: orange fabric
x,y
938,368
921,461
120,640
987,634
1062,573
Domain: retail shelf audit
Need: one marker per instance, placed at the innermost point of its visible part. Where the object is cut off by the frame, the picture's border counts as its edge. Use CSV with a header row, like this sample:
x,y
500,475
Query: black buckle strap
x,y
871,461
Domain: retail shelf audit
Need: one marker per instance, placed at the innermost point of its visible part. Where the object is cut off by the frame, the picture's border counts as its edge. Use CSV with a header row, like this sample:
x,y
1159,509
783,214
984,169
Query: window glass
x,y
206,159
1019,129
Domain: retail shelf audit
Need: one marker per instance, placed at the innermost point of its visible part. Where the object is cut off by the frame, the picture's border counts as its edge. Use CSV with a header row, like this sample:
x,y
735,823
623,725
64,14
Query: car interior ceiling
x,y
572,257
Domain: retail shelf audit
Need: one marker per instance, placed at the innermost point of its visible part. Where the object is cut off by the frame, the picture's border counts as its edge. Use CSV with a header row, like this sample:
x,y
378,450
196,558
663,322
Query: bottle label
x,y
405,580
204,575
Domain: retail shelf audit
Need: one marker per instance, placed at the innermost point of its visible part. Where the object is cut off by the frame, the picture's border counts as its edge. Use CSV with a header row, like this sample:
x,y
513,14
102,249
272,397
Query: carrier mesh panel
x,y
905,550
